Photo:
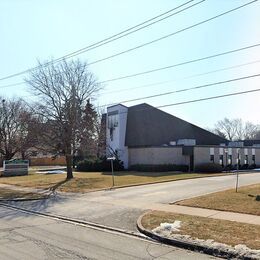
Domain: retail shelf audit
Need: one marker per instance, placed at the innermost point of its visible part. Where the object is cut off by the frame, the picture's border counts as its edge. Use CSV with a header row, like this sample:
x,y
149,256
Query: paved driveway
x,y
120,208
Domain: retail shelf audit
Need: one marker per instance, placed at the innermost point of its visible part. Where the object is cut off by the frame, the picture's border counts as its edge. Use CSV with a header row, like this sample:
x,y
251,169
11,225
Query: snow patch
x,y
168,227
51,172
167,230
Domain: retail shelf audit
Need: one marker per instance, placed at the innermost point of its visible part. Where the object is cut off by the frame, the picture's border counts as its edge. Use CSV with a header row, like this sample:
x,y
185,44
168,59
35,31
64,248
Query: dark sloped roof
x,y
149,126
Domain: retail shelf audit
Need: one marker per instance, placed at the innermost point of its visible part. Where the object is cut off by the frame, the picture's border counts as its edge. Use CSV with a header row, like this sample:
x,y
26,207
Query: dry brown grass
x,y
87,181
244,201
223,231
15,194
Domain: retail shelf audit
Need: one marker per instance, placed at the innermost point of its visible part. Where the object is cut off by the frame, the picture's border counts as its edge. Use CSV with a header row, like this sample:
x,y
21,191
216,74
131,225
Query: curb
x,y
186,245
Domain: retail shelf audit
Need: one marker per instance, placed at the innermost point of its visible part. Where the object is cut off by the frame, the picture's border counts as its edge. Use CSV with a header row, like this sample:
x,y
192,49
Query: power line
x,y
209,98
192,76
180,64
171,34
183,78
112,38
168,67
139,46
162,82
198,100
186,89
99,45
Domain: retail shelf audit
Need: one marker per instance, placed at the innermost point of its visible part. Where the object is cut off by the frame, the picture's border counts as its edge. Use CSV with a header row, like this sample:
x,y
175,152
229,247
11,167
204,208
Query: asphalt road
x,y
120,208
27,236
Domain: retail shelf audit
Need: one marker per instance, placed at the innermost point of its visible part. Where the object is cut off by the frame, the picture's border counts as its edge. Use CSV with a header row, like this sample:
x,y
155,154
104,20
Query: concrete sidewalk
x,y
208,213
200,212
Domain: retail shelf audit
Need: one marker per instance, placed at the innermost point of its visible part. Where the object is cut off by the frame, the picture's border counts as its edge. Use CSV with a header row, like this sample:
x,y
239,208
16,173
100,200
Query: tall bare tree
x,y
63,90
236,129
17,131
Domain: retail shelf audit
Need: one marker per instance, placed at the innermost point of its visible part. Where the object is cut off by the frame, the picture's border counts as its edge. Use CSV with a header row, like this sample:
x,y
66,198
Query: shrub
x,y
244,167
252,166
99,165
159,167
209,167
228,167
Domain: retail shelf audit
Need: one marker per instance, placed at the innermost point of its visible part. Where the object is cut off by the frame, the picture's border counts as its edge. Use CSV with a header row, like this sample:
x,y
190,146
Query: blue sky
x,y
32,29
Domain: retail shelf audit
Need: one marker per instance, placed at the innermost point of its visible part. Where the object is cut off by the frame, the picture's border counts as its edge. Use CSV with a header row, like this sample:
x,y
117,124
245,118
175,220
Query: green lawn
x,y
87,181
244,201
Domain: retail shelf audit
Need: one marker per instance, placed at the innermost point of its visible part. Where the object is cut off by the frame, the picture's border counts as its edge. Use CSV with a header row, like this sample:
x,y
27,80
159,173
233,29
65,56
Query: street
x,y
120,208
29,236
26,236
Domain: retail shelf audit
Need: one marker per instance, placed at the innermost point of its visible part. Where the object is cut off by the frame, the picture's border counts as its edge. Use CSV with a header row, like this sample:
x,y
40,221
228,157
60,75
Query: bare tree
x,y
227,128
17,133
63,90
235,129
251,131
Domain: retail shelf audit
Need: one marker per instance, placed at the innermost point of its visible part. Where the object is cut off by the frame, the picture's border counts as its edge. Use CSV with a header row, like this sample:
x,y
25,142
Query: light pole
x,y
238,160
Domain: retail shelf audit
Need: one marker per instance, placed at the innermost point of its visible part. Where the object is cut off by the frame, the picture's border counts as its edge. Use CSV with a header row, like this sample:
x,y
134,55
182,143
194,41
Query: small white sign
x,y
111,158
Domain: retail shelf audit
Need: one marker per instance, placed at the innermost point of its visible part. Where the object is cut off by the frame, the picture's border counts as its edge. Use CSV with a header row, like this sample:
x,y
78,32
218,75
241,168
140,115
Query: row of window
x,y
229,159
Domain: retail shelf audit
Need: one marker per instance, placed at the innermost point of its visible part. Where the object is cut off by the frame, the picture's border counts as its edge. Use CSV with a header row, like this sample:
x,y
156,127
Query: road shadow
x,y
57,185
39,205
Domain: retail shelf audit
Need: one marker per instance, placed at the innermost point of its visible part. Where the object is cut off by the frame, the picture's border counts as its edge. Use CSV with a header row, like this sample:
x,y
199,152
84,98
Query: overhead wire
x,y
166,67
184,89
180,64
109,39
142,45
178,79
197,100
172,34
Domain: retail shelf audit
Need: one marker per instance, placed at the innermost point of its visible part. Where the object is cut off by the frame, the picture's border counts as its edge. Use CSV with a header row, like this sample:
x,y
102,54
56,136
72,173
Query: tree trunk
x,y
69,166
8,155
23,155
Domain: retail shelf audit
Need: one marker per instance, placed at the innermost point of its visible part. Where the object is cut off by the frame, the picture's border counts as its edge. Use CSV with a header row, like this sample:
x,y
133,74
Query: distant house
x,y
143,134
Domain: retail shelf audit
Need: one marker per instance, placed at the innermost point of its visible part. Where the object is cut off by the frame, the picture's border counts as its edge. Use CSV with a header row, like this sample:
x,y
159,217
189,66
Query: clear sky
x,y
34,29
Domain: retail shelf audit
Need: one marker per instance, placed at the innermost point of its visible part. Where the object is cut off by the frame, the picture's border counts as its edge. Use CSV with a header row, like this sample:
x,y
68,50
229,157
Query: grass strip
x,y
88,181
222,231
243,201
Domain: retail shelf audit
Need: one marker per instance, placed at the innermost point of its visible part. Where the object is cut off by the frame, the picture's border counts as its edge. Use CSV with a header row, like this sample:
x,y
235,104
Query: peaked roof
x,y
149,126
